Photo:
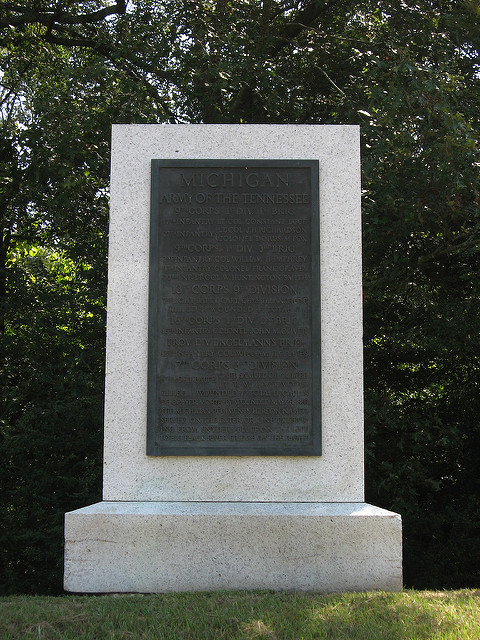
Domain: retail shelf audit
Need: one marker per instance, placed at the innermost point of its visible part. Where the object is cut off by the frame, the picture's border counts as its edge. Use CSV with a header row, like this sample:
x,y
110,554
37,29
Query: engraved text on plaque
x,y
234,318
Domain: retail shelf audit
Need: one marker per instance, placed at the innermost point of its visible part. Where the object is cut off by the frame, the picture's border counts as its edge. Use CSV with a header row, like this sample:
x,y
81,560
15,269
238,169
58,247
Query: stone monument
x,y
233,447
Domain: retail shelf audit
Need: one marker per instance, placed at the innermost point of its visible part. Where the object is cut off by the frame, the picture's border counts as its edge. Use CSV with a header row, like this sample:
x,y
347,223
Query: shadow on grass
x,y
411,615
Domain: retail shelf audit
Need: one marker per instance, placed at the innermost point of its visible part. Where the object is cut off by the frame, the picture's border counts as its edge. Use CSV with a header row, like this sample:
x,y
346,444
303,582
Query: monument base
x,y
155,547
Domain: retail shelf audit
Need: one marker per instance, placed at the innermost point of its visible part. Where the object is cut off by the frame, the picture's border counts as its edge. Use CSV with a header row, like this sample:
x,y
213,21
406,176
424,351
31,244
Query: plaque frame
x,y
233,448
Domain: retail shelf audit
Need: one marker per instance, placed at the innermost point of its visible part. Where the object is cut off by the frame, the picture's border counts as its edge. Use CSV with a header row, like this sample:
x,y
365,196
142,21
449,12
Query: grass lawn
x,y
409,615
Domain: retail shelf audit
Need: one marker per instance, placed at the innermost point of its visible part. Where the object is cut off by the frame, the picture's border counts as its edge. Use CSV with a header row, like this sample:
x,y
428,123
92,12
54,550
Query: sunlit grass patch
x,y
262,615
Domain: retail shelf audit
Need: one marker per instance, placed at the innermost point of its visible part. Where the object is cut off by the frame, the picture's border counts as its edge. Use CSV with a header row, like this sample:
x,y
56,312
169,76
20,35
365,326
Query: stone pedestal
x,y
193,522
152,547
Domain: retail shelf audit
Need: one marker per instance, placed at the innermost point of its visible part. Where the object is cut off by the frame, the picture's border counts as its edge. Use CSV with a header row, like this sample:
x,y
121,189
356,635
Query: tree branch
x,y
19,16
302,20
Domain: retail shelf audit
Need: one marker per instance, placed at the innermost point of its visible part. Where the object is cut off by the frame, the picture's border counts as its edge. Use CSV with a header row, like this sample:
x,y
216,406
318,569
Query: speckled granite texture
x,y
152,547
336,476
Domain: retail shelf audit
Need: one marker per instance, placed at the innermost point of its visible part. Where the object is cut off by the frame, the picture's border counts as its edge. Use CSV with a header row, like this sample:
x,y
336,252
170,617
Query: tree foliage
x,y
407,72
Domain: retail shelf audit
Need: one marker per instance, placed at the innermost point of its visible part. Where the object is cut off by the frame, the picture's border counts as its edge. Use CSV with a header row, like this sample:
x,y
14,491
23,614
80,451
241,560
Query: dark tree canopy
x,y
408,72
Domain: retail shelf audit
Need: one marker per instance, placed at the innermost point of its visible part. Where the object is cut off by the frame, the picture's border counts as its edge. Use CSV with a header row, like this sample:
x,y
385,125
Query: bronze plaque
x,y
234,312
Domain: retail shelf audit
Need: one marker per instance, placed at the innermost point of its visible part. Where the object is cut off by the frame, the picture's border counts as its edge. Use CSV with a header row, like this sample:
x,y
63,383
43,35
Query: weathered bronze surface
x,y
234,318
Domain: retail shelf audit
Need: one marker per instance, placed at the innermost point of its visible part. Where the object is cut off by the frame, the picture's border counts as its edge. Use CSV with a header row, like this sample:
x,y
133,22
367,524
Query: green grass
x,y
409,615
